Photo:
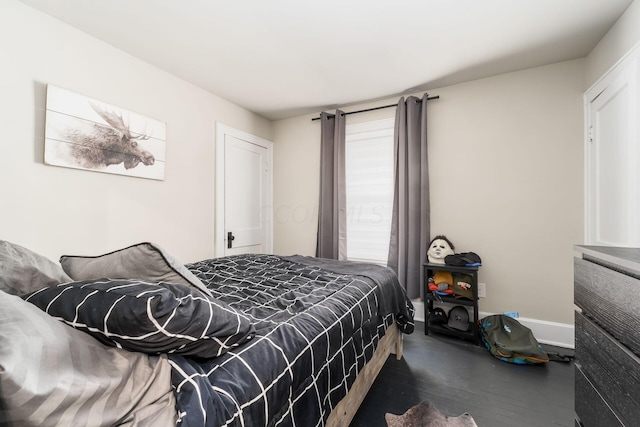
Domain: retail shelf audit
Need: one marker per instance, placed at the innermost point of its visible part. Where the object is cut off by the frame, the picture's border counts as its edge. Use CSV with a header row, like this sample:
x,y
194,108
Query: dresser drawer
x,y
591,408
611,368
610,298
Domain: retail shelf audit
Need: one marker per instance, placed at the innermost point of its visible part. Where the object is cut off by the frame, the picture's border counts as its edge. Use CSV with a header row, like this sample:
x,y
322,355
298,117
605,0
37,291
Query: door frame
x,y
220,232
629,64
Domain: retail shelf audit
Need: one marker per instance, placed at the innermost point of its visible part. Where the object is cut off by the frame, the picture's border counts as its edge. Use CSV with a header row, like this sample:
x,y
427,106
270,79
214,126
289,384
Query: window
x,y
369,187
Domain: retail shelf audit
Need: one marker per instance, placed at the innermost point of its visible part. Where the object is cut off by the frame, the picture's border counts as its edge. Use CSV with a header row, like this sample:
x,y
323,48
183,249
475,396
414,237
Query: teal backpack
x,y
510,341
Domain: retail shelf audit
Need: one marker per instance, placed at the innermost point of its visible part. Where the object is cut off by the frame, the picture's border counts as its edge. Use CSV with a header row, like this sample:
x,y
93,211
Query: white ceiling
x,y
284,58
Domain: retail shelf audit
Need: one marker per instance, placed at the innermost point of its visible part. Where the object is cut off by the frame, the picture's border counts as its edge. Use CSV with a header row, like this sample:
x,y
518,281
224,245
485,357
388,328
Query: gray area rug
x,y
424,414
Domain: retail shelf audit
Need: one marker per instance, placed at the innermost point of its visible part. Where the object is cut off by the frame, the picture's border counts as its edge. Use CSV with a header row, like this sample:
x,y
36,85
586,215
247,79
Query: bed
x,y
245,340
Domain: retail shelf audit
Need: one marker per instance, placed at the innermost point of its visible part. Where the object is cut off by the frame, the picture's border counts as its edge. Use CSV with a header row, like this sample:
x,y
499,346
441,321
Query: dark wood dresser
x,y
607,328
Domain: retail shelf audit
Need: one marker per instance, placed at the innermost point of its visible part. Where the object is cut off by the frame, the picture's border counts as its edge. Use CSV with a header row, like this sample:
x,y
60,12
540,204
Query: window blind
x,y
369,187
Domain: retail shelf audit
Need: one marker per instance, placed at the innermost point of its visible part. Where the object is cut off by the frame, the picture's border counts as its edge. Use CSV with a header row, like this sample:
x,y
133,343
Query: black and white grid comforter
x,y
318,322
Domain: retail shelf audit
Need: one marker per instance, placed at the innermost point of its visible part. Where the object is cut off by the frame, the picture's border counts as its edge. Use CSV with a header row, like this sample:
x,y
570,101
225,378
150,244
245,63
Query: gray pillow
x,y
23,271
143,261
54,375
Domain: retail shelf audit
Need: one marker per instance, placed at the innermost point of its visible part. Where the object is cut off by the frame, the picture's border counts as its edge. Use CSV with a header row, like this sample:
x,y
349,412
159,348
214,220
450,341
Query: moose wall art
x,y
84,133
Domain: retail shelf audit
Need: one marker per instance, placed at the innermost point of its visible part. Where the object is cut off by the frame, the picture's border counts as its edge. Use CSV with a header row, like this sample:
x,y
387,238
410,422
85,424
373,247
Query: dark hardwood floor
x,y
459,377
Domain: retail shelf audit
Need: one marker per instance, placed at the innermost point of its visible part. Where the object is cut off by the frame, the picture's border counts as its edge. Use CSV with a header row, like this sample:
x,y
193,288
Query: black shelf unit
x,y
429,300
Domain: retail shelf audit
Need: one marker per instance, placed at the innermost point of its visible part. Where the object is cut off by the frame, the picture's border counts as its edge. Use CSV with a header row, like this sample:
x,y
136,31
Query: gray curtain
x,y
411,218
332,209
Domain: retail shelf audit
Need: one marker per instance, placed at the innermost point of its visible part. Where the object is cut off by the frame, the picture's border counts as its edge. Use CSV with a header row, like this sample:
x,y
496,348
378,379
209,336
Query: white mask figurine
x,y
439,248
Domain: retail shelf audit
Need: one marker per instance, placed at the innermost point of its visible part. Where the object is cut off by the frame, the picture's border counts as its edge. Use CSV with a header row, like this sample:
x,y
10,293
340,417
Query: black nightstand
x,y
451,301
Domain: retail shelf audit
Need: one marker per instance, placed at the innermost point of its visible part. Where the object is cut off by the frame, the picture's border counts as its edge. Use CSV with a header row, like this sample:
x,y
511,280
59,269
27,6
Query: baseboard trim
x,y
551,333
418,307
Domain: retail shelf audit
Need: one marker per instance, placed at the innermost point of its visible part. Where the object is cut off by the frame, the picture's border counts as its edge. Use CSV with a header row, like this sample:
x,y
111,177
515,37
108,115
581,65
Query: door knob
x,y
230,239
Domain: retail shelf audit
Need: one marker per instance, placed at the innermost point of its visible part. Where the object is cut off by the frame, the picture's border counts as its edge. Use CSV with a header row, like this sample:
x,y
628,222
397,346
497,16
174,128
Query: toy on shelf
x,y
439,248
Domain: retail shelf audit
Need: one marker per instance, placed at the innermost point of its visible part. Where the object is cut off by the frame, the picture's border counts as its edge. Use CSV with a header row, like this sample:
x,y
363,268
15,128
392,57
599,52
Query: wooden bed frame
x,y
346,409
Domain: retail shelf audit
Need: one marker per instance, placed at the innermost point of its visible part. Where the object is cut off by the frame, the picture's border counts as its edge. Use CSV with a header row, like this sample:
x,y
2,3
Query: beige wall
x,y
619,40
505,156
56,210
296,179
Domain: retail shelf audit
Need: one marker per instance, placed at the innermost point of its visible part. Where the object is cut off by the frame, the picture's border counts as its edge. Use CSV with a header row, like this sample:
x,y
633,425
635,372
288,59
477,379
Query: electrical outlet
x,y
482,290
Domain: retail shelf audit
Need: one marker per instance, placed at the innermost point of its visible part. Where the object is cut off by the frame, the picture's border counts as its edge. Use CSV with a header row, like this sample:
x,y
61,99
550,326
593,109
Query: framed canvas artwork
x,y
85,133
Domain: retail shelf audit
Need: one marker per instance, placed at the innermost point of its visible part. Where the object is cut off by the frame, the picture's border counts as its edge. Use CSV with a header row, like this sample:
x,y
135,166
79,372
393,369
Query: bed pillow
x,y
53,375
145,261
150,317
23,271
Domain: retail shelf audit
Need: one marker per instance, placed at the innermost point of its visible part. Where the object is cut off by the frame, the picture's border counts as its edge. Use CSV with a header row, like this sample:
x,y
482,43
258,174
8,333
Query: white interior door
x,y
243,199
612,188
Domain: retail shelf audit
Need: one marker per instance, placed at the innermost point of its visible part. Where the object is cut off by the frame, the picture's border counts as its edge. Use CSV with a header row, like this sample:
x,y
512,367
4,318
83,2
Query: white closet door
x,y
611,187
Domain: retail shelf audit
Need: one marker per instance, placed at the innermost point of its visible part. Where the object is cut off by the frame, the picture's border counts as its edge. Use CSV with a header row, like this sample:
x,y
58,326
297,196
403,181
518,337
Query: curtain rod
x,y
377,108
